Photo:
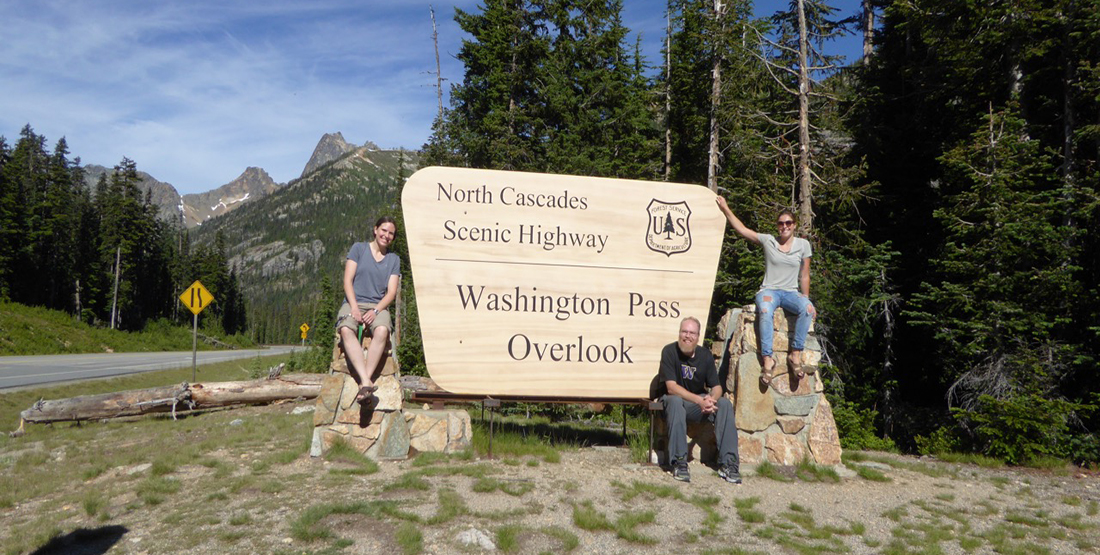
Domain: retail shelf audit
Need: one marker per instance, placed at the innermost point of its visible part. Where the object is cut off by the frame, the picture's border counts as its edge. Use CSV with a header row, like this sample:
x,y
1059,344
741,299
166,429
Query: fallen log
x,y
184,396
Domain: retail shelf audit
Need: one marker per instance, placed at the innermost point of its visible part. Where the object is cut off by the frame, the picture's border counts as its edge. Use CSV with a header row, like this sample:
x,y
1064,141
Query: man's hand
x,y
708,404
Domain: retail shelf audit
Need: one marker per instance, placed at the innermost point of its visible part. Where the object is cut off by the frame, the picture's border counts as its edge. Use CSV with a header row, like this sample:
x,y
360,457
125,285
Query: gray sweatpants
x,y
678,412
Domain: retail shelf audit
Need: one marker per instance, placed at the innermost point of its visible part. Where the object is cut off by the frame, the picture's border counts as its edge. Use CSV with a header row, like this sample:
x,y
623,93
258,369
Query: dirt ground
x,y
594,500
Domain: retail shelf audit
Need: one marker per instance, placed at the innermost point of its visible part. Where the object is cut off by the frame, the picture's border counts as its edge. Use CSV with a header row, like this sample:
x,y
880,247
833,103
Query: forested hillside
x,y
100,253
287,249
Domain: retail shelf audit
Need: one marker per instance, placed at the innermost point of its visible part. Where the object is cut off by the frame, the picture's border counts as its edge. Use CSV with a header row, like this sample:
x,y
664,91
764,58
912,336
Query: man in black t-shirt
x,y
693,393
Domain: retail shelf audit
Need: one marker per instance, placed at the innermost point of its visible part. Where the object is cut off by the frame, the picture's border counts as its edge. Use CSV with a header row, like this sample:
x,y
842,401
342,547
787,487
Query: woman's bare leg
x,y
354,352
377,348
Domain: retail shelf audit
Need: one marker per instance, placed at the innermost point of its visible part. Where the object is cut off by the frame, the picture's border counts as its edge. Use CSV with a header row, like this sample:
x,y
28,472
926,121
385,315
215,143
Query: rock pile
x,y
381,428
786,423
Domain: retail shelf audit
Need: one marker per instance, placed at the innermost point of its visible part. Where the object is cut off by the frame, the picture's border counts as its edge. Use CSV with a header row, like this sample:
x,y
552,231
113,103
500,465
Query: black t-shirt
x,y
696,373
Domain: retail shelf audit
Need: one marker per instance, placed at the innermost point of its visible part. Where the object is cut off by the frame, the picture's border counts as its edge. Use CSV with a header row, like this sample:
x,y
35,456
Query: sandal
x,y
796,368
365,392
766,376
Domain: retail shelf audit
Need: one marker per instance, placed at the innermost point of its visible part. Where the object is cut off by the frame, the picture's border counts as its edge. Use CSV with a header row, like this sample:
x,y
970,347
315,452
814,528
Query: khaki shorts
x,y
344,320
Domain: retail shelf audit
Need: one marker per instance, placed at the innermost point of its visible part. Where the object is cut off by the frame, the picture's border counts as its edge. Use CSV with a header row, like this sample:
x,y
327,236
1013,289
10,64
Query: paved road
x,y
22,371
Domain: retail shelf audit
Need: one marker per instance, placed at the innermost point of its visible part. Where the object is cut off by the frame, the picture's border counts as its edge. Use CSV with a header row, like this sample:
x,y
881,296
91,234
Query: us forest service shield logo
x,y
669,231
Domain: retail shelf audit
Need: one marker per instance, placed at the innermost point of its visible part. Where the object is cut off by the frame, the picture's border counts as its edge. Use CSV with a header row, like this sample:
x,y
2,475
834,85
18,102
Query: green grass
x,y
409,538
569,540
340,451
746,511
515,445
96,462
868,473
711,519
768,470
39,331
507,537
587,517
513,488
797,531
807,471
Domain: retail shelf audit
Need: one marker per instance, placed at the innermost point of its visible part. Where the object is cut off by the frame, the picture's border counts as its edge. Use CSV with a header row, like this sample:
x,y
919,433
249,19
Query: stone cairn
x,y
786,423
382,428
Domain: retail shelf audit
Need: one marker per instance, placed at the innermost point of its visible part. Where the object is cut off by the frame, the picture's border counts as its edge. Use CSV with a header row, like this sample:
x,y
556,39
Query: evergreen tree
x,y
8,221
1004,283
596,114
494,115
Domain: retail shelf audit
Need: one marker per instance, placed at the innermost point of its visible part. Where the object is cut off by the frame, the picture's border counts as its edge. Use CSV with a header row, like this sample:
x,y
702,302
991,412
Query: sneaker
x,y
730,474
680,471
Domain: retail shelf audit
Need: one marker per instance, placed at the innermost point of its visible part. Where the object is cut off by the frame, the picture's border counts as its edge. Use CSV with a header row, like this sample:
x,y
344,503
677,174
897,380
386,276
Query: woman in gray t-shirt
x,y
370,287
786,284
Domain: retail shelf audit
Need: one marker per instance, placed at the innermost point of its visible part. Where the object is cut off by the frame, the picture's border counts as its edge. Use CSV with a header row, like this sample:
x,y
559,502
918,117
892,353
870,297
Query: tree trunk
x,y
114,297
805,213
715,101
177,397
868,31
438,71
668,94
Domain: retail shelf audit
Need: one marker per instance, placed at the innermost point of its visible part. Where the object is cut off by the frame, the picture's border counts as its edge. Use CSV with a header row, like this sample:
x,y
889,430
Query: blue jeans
x,y
791,302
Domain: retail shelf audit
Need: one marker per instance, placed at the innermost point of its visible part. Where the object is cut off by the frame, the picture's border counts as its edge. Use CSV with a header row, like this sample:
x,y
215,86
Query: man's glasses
x,y
785,223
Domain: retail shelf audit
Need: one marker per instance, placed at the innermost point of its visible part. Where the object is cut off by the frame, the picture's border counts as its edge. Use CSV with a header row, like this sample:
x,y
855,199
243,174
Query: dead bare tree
x,y
868,27
438,70
668,93
715,101
793,68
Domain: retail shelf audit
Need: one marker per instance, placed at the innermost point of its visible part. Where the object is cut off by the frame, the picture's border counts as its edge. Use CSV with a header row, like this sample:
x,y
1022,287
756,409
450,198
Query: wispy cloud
x,y
195,91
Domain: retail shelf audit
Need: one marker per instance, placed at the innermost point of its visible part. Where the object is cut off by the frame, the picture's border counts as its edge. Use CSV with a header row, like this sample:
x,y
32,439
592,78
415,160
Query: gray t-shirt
x,y
372,278
781,269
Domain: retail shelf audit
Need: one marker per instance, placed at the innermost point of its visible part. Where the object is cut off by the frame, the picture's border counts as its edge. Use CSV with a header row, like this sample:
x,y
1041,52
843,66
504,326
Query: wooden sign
x,y
550,285
196,298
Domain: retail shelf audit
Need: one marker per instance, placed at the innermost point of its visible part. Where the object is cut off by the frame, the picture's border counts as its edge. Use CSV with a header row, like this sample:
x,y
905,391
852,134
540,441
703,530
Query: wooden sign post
x,y
548,285
195,298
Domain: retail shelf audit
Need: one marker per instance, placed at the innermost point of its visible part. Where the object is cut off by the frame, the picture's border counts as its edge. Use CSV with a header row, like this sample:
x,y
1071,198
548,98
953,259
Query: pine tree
x,y
8,219
494,110
1004,286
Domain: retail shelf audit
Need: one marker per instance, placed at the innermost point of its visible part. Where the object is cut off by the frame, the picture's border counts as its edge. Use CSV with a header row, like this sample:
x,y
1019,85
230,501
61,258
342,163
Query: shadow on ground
x,y
83,541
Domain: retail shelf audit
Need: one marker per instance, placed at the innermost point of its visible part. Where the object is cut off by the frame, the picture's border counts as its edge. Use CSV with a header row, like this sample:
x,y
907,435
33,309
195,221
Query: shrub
x,y
1023,428
856,427
943,440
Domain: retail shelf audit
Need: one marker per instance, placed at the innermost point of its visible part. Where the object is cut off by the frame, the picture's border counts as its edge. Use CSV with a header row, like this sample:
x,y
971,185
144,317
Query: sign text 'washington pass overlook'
x,y
557,286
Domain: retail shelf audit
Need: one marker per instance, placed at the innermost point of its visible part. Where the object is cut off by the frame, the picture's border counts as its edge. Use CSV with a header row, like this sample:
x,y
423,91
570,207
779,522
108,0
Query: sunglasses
x,y
785,223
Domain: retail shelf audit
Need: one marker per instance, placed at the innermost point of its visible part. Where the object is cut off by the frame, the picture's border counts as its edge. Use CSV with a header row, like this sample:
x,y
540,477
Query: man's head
x,y
689,335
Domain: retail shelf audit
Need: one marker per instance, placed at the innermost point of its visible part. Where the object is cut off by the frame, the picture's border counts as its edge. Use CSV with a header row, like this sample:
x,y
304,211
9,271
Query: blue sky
x,y
195,91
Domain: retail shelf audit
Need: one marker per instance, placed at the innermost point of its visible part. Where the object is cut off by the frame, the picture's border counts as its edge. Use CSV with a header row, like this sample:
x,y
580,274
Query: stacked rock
x,y
790,421
786,423
381,428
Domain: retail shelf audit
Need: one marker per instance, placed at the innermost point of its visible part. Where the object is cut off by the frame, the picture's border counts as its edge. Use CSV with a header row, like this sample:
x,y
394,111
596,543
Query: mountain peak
x,y
329,148
251,184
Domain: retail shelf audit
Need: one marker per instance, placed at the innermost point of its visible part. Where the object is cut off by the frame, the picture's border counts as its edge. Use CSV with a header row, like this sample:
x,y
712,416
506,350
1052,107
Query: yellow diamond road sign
x,y
196,297
304,328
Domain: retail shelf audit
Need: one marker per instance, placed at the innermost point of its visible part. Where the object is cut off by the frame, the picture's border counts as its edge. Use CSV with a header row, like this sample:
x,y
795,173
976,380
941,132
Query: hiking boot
x,y
680,471
730,474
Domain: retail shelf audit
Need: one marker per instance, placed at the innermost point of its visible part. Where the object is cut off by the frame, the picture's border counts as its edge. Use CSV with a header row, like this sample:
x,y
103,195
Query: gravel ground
x,y
527,505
